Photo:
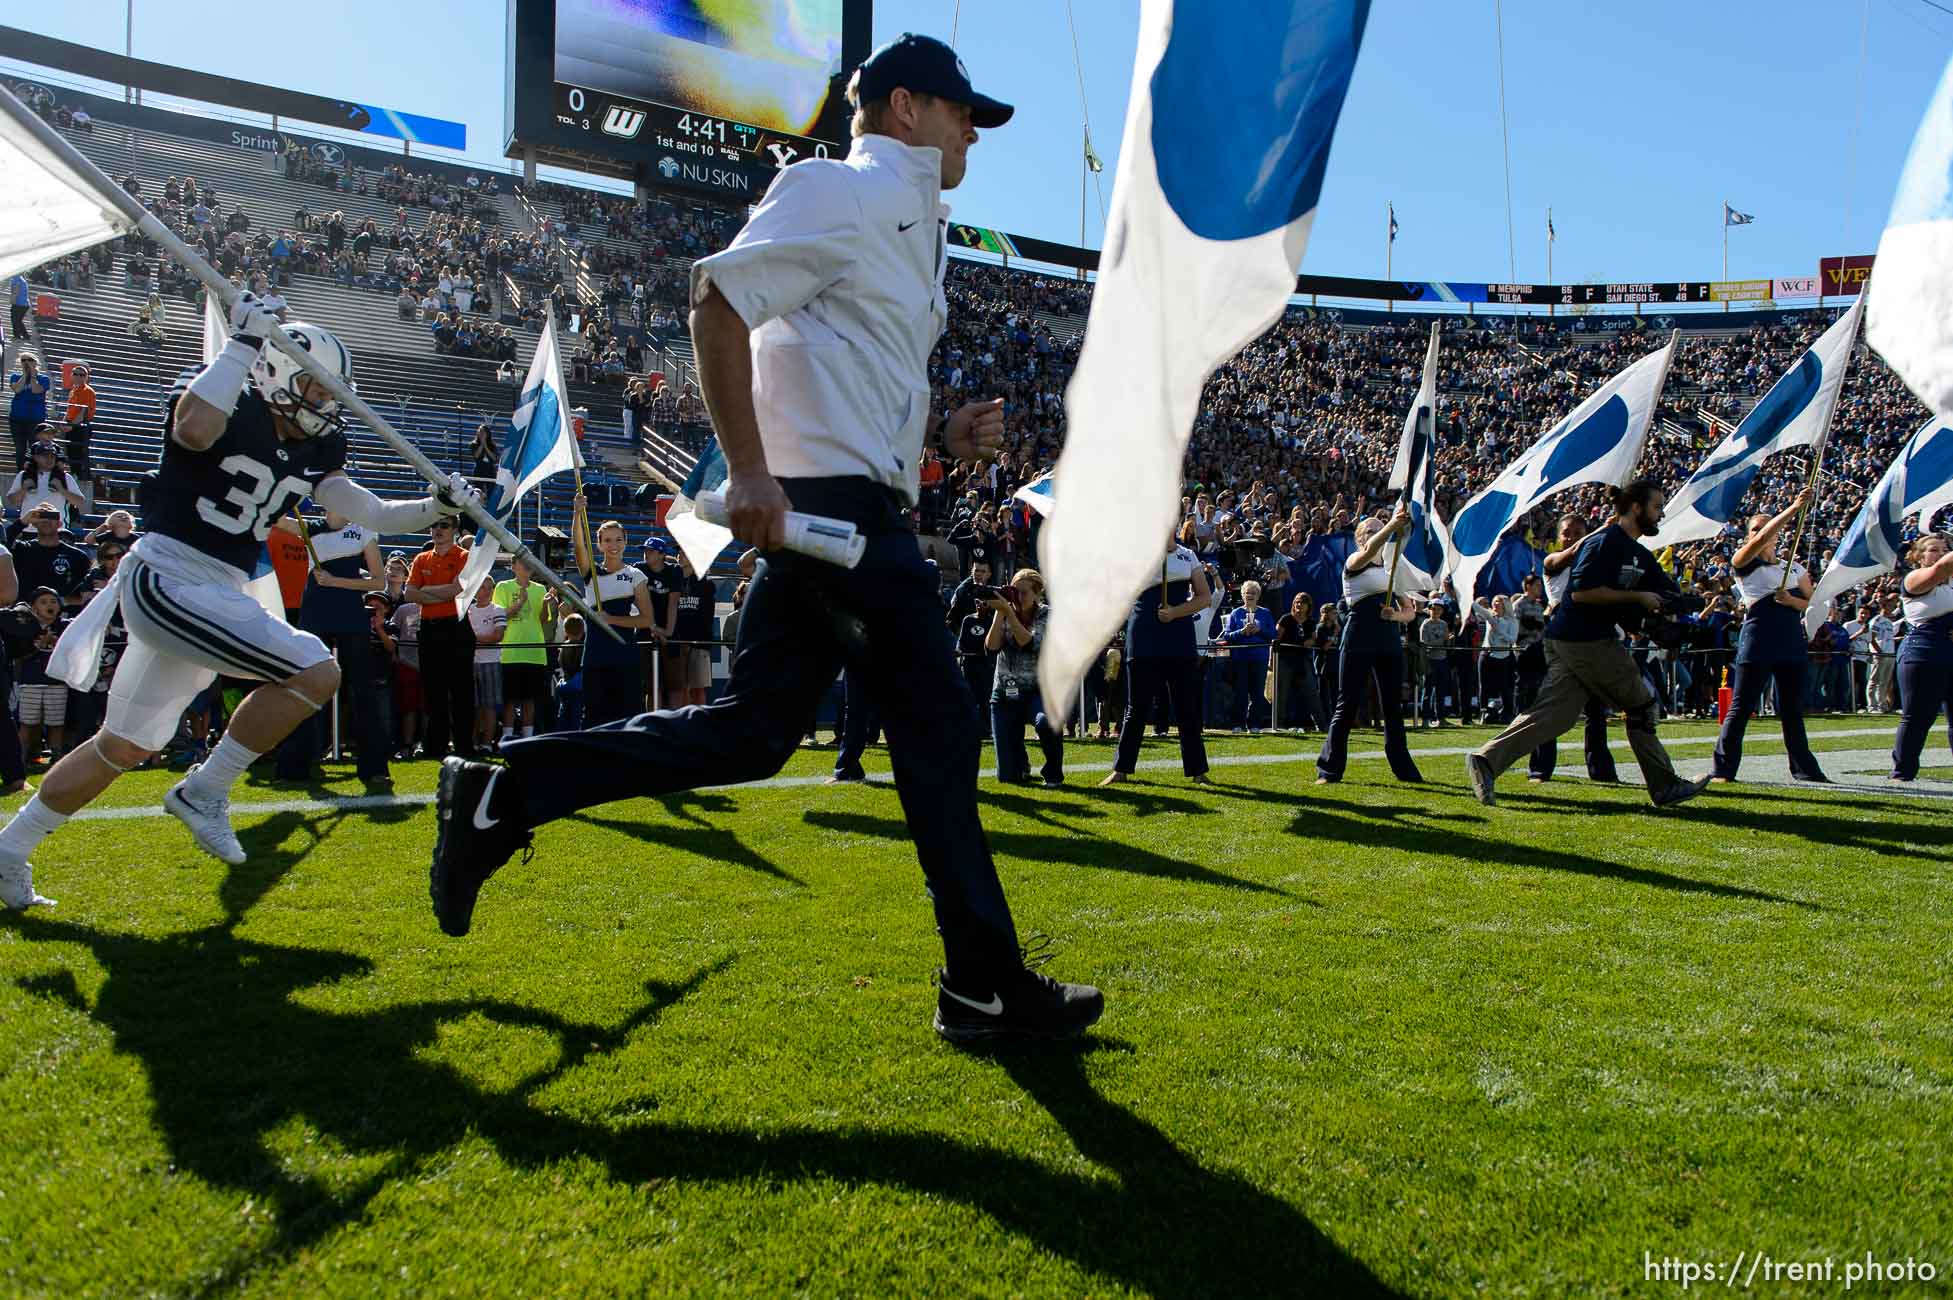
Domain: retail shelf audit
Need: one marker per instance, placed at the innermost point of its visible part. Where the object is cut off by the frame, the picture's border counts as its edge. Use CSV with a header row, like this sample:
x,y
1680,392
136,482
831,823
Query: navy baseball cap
x,y
925,64
658,544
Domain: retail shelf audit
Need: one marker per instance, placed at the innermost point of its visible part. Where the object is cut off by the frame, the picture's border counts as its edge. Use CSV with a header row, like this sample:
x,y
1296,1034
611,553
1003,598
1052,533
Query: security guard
x,y
813,332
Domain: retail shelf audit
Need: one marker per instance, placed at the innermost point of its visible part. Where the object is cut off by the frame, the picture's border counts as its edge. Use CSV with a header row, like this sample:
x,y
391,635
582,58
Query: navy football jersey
x,y
223,501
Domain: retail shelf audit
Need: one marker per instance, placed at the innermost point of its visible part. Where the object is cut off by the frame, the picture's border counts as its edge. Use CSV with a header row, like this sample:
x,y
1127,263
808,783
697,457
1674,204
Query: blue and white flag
x,y
1039,493
1599,443
1420,560
1796,412
1731,217
1920,481
701,541
1910,315
541,443
1201,251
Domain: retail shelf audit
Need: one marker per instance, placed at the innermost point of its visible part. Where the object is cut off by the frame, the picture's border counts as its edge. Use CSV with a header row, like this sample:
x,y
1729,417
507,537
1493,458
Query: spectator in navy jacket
x,y
1248,633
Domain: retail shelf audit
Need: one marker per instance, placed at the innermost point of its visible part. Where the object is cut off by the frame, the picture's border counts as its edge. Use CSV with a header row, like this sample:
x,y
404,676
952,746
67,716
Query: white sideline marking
x,y
355,803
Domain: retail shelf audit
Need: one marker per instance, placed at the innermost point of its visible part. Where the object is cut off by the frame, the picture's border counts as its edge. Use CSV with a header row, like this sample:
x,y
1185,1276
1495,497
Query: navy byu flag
x,y
1201,250
1420,558
1909,317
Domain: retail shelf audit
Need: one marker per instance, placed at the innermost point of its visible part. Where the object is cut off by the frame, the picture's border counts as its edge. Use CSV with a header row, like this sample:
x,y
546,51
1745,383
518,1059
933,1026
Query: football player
x,y
245,439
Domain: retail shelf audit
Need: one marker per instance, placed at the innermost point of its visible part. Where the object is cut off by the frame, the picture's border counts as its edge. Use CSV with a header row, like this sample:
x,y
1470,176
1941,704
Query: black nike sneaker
x,y
475,833
1024,1004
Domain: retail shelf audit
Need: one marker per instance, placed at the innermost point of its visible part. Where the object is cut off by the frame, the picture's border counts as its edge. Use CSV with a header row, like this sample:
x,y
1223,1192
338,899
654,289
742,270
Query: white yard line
x,y
1763,770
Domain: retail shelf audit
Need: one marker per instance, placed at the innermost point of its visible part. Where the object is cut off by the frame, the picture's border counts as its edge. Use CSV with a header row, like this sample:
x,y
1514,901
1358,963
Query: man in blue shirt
x,y
1616,583
19,287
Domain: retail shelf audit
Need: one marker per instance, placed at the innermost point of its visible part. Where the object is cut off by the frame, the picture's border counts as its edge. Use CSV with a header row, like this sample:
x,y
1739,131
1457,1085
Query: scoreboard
x,y
1584,295
671,93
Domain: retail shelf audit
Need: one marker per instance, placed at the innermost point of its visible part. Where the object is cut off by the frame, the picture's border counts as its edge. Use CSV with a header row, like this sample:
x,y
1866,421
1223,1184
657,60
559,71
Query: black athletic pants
x,y
1182,682
1747,689
1359,669
447,675
803,619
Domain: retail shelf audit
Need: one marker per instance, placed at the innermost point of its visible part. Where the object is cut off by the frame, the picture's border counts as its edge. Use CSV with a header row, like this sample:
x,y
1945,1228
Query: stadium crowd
x,y
1290,449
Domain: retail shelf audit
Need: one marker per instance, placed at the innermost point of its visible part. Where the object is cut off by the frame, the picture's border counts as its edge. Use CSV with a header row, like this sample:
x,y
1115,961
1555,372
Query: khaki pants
x,y
1574,670
1878,697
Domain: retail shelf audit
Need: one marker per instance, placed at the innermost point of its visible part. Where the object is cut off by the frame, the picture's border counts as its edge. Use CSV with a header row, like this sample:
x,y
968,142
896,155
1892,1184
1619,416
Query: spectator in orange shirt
x,y
81,423
447,643
293,565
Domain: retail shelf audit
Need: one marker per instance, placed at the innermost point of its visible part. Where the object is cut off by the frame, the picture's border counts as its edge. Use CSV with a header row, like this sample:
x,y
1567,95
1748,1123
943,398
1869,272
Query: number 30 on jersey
x,y
256,498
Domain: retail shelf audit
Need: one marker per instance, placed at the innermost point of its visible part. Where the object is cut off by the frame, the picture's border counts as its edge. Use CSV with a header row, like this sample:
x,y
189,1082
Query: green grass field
x,y
1360,1039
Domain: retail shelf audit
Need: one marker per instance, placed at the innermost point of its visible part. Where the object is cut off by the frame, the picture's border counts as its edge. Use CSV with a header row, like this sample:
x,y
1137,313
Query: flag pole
x,y
1389,247
1817,458
1549,256
227,294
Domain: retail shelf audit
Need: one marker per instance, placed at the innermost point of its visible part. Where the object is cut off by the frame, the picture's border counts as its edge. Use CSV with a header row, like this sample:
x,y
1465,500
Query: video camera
x,y
1666,628
981,593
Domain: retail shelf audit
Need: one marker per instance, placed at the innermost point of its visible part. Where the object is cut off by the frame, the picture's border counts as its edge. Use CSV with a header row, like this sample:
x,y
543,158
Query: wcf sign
x,y
1843,276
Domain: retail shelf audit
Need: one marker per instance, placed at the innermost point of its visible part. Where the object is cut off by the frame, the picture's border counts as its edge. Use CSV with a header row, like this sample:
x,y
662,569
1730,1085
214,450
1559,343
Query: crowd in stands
x,y
1291,446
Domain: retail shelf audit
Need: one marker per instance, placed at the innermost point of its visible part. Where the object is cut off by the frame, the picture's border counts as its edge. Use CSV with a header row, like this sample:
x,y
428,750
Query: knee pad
x,y
1643,719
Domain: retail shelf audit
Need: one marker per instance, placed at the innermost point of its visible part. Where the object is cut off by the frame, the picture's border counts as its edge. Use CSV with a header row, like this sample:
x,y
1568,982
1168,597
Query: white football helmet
x,y
278,378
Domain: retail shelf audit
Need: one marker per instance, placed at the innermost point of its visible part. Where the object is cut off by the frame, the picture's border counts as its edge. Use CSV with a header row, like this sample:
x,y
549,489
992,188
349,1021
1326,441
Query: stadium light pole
x,y
131,93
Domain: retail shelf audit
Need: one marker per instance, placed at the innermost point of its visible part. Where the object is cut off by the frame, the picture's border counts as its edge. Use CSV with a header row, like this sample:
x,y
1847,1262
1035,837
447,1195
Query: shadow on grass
x,y
1403,826
1805,823
714,843
233,1053
1074,847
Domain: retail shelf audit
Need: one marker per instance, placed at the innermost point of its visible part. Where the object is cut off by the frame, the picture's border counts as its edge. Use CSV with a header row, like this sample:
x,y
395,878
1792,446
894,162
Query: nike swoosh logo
x,y
313,473
900,228
484,822
994,1007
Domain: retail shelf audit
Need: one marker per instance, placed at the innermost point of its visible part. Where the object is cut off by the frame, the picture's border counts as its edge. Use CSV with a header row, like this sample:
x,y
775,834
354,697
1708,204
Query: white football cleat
x,y
209,823
17,885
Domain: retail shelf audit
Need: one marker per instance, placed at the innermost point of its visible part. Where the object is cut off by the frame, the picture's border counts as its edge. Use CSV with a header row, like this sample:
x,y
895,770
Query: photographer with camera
x,y
1771,647
1615,583
1373,651
1017,619
1161,653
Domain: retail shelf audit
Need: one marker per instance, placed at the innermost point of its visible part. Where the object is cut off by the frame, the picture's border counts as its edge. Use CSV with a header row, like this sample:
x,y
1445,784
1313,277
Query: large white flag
x,y
1420,557
1920,480
1599,443
1909,316
1202,244
1796,412
46,210
541,443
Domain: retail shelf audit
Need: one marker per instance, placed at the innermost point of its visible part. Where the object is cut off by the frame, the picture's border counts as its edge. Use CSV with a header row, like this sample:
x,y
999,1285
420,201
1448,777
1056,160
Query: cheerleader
x,y
1373,650
1771,647
1926,653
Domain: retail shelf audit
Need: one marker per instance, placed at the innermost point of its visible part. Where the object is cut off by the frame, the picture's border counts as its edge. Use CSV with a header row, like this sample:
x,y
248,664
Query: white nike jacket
x,y
839,274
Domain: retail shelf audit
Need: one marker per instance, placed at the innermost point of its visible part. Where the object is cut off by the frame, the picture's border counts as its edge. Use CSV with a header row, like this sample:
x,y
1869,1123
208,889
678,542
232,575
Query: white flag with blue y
x,y
1040,493
1796,412
1202,245
1919,481
1909,317
1420,557
701,541
1599,443
542,442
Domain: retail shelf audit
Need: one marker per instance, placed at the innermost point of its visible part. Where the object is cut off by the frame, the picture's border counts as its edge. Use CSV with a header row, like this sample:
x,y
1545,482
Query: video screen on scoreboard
x,y
773,64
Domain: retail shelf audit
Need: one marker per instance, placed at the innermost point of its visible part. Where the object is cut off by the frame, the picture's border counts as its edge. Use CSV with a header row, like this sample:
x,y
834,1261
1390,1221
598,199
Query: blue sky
x,y
1633,121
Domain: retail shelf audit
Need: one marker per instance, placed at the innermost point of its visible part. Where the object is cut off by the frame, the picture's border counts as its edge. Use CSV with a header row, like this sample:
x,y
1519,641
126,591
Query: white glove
x,y
252,319
456,490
